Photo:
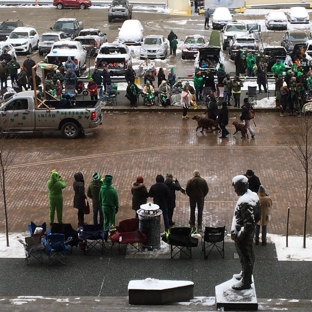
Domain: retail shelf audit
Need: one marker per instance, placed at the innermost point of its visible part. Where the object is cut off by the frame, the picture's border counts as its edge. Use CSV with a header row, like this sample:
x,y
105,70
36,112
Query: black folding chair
x,y
92,237
180,241
214,238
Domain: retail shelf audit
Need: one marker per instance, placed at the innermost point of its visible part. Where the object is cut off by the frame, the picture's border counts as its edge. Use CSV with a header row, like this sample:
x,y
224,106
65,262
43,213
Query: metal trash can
x,y
149,224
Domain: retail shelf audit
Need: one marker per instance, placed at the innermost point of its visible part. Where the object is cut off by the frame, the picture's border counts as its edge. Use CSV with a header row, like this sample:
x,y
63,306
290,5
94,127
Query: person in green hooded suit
x,y
109,201
55,185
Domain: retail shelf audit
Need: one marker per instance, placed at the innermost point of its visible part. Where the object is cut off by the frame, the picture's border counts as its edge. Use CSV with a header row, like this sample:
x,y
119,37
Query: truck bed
x,y
75,104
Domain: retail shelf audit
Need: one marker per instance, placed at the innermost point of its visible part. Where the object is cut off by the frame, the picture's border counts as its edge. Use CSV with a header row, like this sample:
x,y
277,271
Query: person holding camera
x,y
173,185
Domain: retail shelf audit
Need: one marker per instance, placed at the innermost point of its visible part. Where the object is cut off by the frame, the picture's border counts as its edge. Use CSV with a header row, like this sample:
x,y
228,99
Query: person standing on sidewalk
x,y
197,189
161,194
253,181
244,116
185,101
207,17
80,196
109,201
227,82
199,85
139,194
237,90
170,38
223,120
94,193
266,205
173,186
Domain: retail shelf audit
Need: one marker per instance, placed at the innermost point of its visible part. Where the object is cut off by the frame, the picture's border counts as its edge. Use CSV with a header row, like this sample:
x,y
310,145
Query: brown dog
x,y
206,123
242,128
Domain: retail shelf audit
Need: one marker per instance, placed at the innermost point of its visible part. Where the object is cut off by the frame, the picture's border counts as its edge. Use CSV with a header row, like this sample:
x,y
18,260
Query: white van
x,y
220,17
131,32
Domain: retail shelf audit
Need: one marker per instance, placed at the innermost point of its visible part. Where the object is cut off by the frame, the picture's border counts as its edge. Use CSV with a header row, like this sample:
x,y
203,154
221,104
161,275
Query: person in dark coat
x,y
37,81
212,109
97,78
170,38
245,117
130,74
197,189
209,81
161,76
261,76
161,194
94,193
80,196
107,80
253,181
223,120
28,64
173,186
139,194
132,93
236,62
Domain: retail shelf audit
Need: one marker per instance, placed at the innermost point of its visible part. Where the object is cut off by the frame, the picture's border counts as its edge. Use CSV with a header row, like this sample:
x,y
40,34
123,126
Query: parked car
x,y
90,43
66,48
115,56
24,39
298,15
255,29
276,20
243,42
191,45
7,27
229,30
220,17
94,32
80,4
48,38
290,38
154,46
120,9
5,46
131,32
70,26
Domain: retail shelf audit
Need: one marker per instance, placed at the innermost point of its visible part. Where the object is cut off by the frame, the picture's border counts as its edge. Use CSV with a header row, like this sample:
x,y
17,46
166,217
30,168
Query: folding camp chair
x,y
128,233
214,238
34,248
92,237
68,231
56,248
35,229
180,241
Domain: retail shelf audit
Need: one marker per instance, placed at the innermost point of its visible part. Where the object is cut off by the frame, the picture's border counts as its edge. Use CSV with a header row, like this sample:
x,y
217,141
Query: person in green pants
x,y
55,185
109,201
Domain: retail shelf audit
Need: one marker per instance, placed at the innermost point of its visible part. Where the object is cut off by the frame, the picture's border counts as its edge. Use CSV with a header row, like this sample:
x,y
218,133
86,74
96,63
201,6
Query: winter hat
x,y
169,175
139,179
196,173
96,176
160,179
108,179
57,71
249,173
262,189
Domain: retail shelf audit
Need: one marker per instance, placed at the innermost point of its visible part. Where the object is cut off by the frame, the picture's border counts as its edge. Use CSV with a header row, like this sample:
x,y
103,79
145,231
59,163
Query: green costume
x,y
55,186
109,201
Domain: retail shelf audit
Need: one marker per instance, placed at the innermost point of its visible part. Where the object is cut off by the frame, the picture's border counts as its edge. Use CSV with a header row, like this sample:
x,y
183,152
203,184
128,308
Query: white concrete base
x,y
230,299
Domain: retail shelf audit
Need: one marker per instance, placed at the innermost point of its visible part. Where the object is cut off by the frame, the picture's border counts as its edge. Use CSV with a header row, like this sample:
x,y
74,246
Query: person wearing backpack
x,y
247,115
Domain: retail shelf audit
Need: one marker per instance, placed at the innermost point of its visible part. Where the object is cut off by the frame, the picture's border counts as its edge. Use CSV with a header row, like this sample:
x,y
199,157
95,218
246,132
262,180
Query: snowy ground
x,y
294,251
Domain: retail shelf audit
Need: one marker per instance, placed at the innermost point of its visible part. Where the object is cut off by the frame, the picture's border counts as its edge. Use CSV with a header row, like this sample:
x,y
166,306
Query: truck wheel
x,y
29,49
70,130
224,47
110,19
82,6
40,52
60,6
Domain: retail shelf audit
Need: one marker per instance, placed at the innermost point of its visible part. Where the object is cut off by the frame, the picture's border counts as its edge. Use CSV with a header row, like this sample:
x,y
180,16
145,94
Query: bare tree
x,y
301,148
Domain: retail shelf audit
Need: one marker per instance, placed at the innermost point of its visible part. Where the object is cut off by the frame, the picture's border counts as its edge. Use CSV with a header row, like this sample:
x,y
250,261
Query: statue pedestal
x,y
237,300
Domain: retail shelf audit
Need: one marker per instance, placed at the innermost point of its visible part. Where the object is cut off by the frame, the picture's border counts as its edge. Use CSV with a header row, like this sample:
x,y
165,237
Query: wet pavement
x,y
132,143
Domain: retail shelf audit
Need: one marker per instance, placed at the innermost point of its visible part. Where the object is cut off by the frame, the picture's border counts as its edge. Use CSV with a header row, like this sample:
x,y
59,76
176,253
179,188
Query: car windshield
x,y
5,26
113,50
151,41
298,37
18,35
64,46
194,40
49,38
119,2
64,25
88,32
236,28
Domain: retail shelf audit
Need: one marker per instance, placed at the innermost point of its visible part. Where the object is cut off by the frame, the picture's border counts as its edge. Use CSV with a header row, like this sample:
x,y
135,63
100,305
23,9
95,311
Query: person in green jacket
x,y
55,185
198,85
278,68
251,62
13,67
174,45
109,201
94,193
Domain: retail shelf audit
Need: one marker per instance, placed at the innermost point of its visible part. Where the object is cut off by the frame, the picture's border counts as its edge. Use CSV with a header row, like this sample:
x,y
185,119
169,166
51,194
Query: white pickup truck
x,y
18,114
65,48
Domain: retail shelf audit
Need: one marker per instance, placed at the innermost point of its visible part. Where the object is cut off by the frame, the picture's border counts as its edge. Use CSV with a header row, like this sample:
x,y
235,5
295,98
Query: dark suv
x,y
70,26
7,27
291,38
120,9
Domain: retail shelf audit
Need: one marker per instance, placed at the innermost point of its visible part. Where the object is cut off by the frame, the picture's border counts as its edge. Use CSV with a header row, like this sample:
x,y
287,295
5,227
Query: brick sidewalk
x,y
151,143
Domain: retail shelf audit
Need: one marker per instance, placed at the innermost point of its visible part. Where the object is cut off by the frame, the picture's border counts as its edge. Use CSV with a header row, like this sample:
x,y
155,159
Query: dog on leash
x,y
242,128
206,123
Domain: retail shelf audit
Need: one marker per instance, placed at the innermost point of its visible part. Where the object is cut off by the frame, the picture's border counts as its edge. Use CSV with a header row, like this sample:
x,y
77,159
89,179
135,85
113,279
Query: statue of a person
x,y
242,230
